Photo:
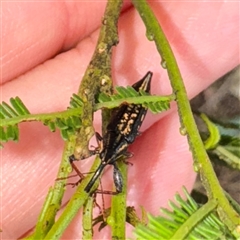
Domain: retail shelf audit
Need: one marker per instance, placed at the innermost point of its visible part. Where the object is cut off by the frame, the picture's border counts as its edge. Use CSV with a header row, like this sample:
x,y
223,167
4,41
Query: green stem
x,y
76,202
136,100
208,176
87,219
117,218
54,199
40,232
78,111
40,117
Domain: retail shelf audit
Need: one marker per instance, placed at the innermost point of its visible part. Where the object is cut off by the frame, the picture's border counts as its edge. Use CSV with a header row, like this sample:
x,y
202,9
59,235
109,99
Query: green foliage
x,y
228,149
223,143
214,134
18,109
16,112
232,144
183,222
180,223
70,124
156,104
69,121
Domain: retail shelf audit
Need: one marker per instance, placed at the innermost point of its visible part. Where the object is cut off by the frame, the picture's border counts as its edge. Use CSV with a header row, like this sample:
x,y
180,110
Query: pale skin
x,y
203,37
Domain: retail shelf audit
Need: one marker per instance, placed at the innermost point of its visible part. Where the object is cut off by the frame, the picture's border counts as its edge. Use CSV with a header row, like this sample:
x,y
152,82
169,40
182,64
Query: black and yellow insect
x,y
121,131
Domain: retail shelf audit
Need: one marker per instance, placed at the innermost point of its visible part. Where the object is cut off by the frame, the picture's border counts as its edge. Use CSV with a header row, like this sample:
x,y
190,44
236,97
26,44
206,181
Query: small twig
x,y
97,76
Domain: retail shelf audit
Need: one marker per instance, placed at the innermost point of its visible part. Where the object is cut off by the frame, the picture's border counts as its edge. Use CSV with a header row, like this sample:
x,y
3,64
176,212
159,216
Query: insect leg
x,y
95,177
99,142
117,177
91,152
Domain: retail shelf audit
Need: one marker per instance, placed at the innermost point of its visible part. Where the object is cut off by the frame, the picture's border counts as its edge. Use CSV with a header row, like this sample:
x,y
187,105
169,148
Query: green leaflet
x,y
16,112
185,220
155,104
69,121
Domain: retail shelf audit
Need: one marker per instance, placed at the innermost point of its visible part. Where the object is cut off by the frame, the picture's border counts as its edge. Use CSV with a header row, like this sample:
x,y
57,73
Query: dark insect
x,y
121,131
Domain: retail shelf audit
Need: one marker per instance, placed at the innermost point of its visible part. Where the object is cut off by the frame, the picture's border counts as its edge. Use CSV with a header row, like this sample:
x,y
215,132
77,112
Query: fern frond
x,y
76,101
68,125
181,222
16,112
156,104
17,109
70,120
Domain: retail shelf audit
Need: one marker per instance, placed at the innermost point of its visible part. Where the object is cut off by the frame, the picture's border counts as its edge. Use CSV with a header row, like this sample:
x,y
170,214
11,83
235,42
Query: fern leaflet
x,y
70,120
207,226
17,109
16,112
156,104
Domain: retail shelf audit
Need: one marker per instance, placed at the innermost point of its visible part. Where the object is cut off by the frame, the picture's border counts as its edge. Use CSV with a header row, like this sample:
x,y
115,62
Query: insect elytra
x,y
121,131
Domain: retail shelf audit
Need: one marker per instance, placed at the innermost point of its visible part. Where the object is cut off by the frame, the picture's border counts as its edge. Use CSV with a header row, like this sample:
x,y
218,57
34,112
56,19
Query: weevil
x,y
121,131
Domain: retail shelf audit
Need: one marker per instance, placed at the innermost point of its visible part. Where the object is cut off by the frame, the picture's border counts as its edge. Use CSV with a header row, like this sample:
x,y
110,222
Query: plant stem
x,y
135,100
54,199
78,199
117,218
201,160
40,232
40,117
87,219
96,79
97,76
